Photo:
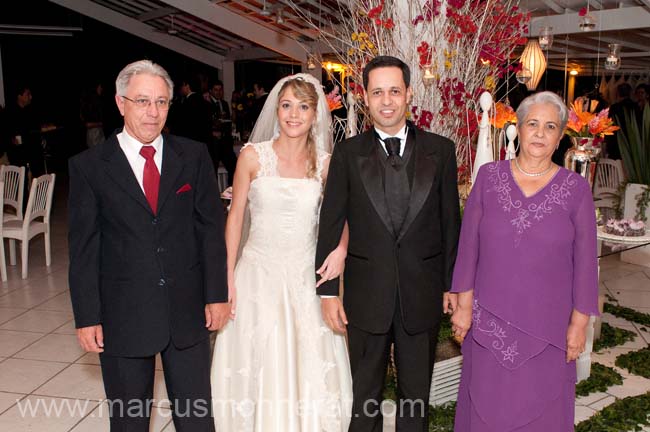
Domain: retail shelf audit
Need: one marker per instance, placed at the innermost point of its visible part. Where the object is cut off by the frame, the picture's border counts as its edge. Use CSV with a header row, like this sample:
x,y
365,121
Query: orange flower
x,y
503,114
585,124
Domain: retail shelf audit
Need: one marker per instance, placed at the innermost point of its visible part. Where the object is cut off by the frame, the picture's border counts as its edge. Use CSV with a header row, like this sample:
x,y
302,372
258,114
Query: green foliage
x,y
445,328
612,336
636,362
628,414
634,144
599,380
441,418
390,384
628,314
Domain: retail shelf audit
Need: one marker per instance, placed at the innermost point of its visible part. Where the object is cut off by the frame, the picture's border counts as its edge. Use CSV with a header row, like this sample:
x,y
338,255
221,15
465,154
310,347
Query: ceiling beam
x,y
135,27
610,19
230,21
624,44
595,55
156,13
251,54
305,32
553,5
597,4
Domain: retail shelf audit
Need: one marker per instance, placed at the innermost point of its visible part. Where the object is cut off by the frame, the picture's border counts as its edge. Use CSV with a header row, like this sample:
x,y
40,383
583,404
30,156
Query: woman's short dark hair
x,y
387,61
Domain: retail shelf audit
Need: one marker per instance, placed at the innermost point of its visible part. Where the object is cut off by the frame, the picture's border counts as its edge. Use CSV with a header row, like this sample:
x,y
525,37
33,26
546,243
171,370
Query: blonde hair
x,y
305,92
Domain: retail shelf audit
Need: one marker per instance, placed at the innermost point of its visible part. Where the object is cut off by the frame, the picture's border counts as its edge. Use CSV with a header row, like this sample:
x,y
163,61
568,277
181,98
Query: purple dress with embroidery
x,y
530,261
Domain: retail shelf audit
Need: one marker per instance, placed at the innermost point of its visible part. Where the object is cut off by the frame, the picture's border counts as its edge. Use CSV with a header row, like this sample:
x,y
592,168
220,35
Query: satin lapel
x,y
423,176
370,171
119,170
172,166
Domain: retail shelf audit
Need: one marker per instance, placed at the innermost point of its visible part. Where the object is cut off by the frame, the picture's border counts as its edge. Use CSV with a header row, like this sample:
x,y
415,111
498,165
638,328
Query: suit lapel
x,y
370,171
172,166
119,170
423,176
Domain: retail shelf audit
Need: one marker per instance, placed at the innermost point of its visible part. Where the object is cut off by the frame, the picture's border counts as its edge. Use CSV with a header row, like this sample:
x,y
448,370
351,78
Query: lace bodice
x,y
284,211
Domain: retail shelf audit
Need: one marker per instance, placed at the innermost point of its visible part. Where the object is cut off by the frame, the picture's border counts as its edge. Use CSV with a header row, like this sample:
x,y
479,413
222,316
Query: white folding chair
x,y
39,205
14,180
3,264
222,178
339,129
14,184
609,176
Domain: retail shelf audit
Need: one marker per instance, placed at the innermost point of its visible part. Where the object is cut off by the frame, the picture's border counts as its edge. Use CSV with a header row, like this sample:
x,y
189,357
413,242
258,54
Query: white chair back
x,y
339,129
39,202
3,264
609,176
14,184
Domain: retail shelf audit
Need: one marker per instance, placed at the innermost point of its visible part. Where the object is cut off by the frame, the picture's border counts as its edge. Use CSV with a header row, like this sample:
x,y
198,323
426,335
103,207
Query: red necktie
x,y
151,177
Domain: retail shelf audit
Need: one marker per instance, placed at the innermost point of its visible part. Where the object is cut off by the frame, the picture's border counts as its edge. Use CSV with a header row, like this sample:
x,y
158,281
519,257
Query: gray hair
x,y
545,97
141,67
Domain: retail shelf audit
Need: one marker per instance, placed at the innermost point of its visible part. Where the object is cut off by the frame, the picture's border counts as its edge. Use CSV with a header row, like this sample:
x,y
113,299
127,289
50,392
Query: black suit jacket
x,y
383,270
145,278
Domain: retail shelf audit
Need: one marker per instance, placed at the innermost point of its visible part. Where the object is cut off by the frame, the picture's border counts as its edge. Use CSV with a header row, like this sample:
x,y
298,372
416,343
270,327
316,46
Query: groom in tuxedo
x,y
147,258
395,185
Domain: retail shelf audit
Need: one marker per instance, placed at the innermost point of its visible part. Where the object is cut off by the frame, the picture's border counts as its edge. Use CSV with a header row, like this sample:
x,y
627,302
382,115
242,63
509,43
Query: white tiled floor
x,y
41,363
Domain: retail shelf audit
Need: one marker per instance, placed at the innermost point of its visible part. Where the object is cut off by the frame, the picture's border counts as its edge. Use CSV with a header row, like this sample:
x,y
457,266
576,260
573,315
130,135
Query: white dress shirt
x,y
402,134
131,148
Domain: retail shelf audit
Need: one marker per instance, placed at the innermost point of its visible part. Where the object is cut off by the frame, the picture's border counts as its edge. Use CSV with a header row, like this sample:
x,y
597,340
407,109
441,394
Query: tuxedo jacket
x,y
384,270
145,277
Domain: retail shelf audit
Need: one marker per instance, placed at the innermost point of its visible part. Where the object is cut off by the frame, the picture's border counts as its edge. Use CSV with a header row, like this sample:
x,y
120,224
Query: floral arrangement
x,y
585,124
503,115
456,49
334,99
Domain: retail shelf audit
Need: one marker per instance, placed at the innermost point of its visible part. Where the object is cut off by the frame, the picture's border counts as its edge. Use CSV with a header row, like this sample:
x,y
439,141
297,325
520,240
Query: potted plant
x,y
634,144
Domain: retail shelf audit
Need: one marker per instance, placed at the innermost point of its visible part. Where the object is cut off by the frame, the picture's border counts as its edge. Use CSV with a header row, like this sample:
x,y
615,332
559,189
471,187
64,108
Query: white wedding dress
x,y
277,367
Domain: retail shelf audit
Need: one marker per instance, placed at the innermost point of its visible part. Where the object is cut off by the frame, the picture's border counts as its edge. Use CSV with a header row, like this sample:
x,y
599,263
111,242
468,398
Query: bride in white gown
x,y
276,366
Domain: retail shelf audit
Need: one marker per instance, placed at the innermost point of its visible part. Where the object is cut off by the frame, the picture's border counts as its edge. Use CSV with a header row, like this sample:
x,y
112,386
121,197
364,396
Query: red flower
x,y
374,12
583,12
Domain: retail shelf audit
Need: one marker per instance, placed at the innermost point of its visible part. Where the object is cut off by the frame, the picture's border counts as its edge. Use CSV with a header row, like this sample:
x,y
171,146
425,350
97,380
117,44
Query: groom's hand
x,y
91,338
216,315
333,314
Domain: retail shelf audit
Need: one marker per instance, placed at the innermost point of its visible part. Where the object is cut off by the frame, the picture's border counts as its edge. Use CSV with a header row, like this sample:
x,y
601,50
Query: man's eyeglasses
x,y
142,103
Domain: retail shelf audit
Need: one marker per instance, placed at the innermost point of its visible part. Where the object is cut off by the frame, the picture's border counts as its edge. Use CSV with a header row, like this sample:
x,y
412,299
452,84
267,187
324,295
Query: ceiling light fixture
x,y
613,59
546,37
265,11
533,59
279,19
310,64
587,21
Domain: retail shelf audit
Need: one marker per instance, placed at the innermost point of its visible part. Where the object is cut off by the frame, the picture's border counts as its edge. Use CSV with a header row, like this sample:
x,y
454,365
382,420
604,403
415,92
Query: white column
x,y
2,82
228,78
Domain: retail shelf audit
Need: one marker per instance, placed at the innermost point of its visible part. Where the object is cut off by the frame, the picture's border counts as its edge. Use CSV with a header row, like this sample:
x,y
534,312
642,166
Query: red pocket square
x,y
185,188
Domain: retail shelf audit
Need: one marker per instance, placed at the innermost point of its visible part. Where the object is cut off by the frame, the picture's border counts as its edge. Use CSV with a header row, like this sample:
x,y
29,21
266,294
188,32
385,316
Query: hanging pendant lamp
x,y
533,59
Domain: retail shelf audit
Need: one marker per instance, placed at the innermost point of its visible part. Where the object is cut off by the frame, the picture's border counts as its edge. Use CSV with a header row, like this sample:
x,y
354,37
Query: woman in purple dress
x,y
527,281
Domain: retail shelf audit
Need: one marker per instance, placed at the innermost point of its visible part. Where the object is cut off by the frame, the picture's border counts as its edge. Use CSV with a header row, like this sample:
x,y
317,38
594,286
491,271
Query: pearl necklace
x,y
529,174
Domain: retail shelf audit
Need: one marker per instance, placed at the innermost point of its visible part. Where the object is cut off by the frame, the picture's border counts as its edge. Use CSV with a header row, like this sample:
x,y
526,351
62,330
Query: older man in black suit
x,y
396,187
147,257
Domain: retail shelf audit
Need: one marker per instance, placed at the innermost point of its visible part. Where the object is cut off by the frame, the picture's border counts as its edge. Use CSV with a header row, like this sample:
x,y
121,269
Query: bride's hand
x,y
232,298
332,266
